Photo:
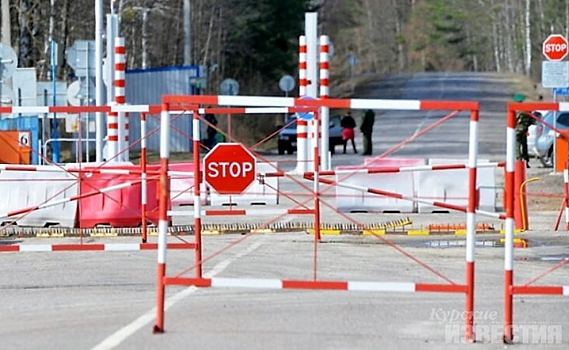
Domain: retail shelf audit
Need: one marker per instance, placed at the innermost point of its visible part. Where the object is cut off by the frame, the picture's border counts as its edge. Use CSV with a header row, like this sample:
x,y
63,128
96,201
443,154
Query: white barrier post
x,y
120,99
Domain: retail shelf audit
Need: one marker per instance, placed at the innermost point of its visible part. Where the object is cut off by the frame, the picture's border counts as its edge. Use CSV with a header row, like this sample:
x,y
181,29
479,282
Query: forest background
x,y
256,41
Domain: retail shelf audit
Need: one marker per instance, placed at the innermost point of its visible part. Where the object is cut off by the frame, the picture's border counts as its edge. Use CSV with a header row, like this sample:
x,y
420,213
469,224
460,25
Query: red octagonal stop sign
x,y
555,47
229,168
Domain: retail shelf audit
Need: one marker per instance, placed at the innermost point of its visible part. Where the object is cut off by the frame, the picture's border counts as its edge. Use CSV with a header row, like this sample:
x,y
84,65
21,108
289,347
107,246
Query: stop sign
x,y
230,168
555,47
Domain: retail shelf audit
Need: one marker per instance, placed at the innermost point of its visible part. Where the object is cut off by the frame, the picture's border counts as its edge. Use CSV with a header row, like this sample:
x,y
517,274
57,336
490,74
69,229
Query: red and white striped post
x,y
302,148
163,216
120,98
302,65
471,225
324,94
197,193
509,226
144,177
301,145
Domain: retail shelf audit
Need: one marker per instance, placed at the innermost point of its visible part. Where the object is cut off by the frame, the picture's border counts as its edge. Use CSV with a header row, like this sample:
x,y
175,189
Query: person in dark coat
x,y
348,125
210,131
366,128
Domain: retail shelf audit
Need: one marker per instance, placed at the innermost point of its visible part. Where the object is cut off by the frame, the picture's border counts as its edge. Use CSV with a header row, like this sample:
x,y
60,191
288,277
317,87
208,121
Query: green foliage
x,y
264,43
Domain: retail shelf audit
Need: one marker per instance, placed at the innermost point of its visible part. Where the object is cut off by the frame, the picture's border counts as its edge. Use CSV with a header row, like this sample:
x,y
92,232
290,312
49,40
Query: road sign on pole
x,y
230,168
555,47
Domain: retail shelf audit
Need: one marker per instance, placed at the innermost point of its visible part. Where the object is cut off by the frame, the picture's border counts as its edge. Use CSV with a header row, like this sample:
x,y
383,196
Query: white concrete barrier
x,y
182,187
23,189
350,200
451,186
258,194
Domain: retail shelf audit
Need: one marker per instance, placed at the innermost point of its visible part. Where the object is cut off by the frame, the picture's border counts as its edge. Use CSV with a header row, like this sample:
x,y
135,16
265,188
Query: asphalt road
x,y
106,300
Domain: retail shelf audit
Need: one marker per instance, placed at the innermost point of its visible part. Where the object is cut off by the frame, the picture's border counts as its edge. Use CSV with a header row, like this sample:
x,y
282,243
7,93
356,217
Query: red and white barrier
x,y
108,247
360,286
509,288
242,212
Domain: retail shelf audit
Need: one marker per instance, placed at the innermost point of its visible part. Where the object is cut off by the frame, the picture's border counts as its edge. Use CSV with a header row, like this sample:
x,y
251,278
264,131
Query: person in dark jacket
x,y
348,125
210,131
366,128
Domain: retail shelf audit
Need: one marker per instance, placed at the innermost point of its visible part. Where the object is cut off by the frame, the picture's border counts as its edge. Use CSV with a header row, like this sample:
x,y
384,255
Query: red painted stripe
x,y
385,193
119,83
324,82
547,290
446,167
324,65
120,49
187,281
302,135
120,67
330,285
113,125
303,82
181,99
383,170
78,109
120,100
442,288
113,138
300,211
324,48
77,247
127,125
154,246
225,212
450,105
9,248
302,49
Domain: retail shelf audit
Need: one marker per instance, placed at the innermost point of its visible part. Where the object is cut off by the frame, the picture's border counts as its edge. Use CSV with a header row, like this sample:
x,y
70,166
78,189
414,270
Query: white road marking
x,y
124,333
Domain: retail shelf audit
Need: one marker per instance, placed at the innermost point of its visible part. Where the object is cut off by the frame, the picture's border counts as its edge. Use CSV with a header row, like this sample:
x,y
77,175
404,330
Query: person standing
x,y
348,125
523,122
210,131
366,128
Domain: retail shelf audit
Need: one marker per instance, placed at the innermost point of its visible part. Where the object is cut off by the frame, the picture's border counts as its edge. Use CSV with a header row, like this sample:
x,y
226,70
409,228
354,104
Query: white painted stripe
x,y
510,149
35,248
114,171
30,109
115,187
509,244
130,108
196,130
565,290
470,236
127,331
563,106
473,144
117,247
162,241
267,110
247,283
260,101
164,135
385,104
382,286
